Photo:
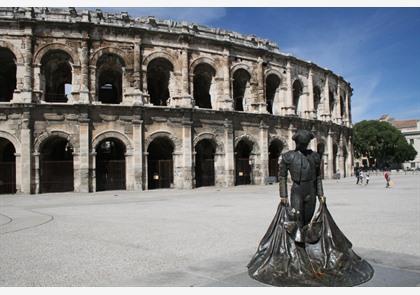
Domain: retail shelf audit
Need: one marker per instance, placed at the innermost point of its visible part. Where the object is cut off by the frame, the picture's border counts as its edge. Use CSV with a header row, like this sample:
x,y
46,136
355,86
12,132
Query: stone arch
x,y
109,50
13,139
249,138
274,72
43,138
172,138
112,134
18,55
56,46
202,60
155,55
273,138
220,148
240,67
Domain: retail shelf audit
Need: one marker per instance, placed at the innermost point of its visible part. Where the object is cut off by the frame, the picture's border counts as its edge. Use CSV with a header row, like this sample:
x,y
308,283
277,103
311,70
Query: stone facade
x,y
94,101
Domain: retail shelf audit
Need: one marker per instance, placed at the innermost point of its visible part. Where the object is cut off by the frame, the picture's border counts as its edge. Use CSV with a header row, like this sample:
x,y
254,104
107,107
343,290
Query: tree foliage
x,y
381,141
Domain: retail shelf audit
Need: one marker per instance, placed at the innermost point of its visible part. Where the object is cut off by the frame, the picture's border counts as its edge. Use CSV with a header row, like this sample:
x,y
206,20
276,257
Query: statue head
x,y
302,139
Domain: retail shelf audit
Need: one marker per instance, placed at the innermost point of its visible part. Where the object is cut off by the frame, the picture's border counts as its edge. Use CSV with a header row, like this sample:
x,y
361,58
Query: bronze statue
x,y
300,249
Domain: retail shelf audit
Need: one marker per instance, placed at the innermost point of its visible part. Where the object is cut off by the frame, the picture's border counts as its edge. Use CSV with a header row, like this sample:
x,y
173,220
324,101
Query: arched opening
x,y
331,96
158,74
241,79
160,163
243,162
297,92
342,107
204,163
272,84
321,150
56,166
110,165
203,76
7,74
7,167
109,73
317,98
274,150
57,73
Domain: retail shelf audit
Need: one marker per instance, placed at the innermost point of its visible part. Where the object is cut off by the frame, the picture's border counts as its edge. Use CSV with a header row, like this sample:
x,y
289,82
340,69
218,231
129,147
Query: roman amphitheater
x,y
93,101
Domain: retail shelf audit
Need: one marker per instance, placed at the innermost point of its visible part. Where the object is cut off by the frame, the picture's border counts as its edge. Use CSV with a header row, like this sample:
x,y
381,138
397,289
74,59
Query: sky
x,y
375,49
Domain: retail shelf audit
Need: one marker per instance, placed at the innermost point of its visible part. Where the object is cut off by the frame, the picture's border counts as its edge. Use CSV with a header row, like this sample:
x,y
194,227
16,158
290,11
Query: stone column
x,y
264,165
346,119
310,100
187,164
93,170
138,98
23,161
330,159
36,184
129,170
230,153
81,161
289,108
338,117
225,98
23,91
327,114
137,152
84,74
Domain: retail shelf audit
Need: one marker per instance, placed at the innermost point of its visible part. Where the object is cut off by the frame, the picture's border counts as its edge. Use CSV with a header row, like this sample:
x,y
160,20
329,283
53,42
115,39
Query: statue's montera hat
x,y
303,136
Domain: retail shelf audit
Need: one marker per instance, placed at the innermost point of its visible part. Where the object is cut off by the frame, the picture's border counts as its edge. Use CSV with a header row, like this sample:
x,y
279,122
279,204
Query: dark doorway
x,y
57,72
321,151
7,74
241,79
158,75
7,167
204,163
160,164
275,149
272,84
110,165
203,76
297,92
56,169
243,166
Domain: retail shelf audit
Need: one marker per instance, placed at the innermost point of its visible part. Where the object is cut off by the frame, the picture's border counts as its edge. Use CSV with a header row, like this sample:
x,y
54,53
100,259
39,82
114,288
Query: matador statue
x,y
300,248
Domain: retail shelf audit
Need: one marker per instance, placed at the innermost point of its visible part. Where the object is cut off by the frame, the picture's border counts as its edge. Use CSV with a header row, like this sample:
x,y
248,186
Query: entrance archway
x,y
243,163
204,163
274,150
7,74
110,165
56,166
7,167
160,163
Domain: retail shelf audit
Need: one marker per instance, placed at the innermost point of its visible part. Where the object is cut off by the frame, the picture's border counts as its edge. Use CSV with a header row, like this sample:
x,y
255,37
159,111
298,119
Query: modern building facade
x,y
93,101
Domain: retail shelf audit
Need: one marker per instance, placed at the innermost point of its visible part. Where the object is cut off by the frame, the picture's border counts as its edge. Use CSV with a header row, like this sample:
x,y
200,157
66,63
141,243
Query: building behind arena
x,y
93,101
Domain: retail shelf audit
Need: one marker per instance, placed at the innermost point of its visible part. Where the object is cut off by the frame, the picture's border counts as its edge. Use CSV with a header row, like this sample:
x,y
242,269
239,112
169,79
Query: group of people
x,y
362,175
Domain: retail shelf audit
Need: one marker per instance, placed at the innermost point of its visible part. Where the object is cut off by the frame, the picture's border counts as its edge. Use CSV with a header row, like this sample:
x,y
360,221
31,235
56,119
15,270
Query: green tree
x,y
381,141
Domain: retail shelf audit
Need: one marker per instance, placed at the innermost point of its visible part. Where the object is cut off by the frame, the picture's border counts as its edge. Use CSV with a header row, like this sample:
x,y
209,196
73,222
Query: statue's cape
x,y
318,254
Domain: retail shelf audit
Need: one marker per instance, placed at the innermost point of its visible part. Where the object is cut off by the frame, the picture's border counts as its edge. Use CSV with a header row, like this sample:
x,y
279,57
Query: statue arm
x,y
319,188
283,179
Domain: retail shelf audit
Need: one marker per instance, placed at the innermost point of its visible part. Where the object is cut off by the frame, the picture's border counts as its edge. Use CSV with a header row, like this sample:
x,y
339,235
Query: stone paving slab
x,y
202,238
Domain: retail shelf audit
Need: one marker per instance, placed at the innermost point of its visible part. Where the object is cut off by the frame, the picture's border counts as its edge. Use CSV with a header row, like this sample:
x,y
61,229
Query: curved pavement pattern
x,y
203,237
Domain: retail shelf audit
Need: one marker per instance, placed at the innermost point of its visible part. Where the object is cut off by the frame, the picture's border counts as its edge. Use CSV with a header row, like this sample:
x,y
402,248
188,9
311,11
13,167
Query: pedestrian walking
x,y
357,176
367,177
387,176
361,175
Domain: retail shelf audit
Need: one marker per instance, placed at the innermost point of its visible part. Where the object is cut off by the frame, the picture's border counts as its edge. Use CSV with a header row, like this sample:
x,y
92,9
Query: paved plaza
x,y
202,238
